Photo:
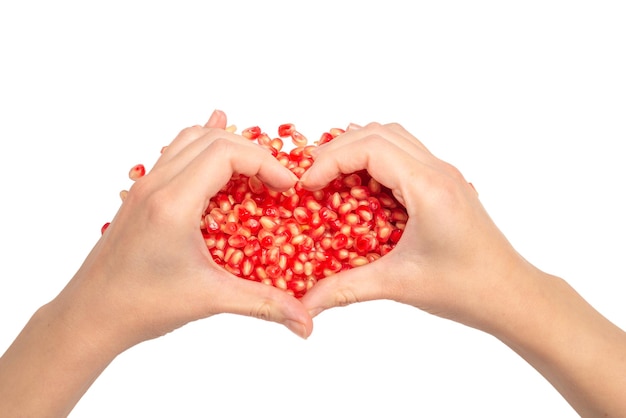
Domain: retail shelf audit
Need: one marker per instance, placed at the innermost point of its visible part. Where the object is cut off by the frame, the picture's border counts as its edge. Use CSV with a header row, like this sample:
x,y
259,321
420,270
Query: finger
x,y
213,166
217,120
369,282
353,127
393,132
386,162
400,131
258,300
374,140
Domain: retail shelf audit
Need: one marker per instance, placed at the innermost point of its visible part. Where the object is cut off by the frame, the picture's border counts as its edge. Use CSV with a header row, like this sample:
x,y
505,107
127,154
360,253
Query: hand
x,y
453,261
151,272
451,257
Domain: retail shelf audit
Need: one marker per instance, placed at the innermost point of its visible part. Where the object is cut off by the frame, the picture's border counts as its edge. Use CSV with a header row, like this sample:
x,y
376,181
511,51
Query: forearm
x,y
50,365
579,351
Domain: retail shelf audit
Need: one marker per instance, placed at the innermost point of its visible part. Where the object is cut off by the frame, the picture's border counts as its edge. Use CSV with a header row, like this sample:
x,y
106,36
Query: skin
x,y
452,261
150,274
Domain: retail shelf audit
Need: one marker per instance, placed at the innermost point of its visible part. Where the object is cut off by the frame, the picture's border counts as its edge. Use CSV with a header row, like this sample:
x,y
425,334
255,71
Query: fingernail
x,y
352,126
297,328
211,118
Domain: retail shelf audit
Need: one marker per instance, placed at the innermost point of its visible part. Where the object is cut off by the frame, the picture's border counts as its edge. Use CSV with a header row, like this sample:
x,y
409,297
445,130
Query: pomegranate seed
x,y
230,228
352,180
286,130
298,139
295,238
326,137
395,235
276,144
247,266
358,261
137,172
399,215
237,241
251,133
339,241
374,186
335,132
210,224
327,214
264,139
301,215
359,192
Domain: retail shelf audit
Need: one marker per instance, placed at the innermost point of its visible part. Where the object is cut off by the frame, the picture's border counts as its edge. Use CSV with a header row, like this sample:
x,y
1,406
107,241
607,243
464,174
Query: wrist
x,y
86,318
79,331
52,363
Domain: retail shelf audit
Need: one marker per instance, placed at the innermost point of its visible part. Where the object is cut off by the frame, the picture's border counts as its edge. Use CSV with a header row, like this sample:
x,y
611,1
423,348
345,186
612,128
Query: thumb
x,y
359,284
258,300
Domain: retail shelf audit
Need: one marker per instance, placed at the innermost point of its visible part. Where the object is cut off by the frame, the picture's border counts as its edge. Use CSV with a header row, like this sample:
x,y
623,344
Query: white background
x,y
526,98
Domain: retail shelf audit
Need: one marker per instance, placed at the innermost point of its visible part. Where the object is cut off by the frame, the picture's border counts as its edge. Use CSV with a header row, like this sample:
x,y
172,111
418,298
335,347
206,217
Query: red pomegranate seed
x,y
295,238
264,139
136,172
352,180
210,224
339,241
298,139
326,137
251,133
358,261
335,132
395,235
286,129
237,241
276,144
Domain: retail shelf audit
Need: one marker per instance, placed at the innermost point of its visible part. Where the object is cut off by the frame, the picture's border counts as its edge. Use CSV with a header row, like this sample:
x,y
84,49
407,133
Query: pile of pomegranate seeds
x,y
294,238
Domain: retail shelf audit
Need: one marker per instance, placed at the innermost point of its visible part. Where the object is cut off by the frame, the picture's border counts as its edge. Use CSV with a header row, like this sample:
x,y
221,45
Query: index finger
x,y
214,165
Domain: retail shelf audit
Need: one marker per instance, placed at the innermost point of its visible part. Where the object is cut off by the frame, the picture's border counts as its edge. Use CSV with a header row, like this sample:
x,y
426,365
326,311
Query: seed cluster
x,y
294,238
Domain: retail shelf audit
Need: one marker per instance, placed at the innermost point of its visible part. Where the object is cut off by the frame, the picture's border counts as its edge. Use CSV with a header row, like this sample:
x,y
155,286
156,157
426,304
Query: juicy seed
x,y
137,172
251,133
298,139
286,129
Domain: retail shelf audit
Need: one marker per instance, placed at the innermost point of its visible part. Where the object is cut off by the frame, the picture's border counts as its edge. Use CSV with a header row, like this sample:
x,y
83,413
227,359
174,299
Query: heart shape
x,y
293,239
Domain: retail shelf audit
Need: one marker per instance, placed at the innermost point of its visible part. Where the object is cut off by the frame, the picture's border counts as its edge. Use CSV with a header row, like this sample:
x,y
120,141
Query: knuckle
x,y
159,206
394,126
373,126
156,202
373,141
222,146
263,311
453,171
191,132
345,297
